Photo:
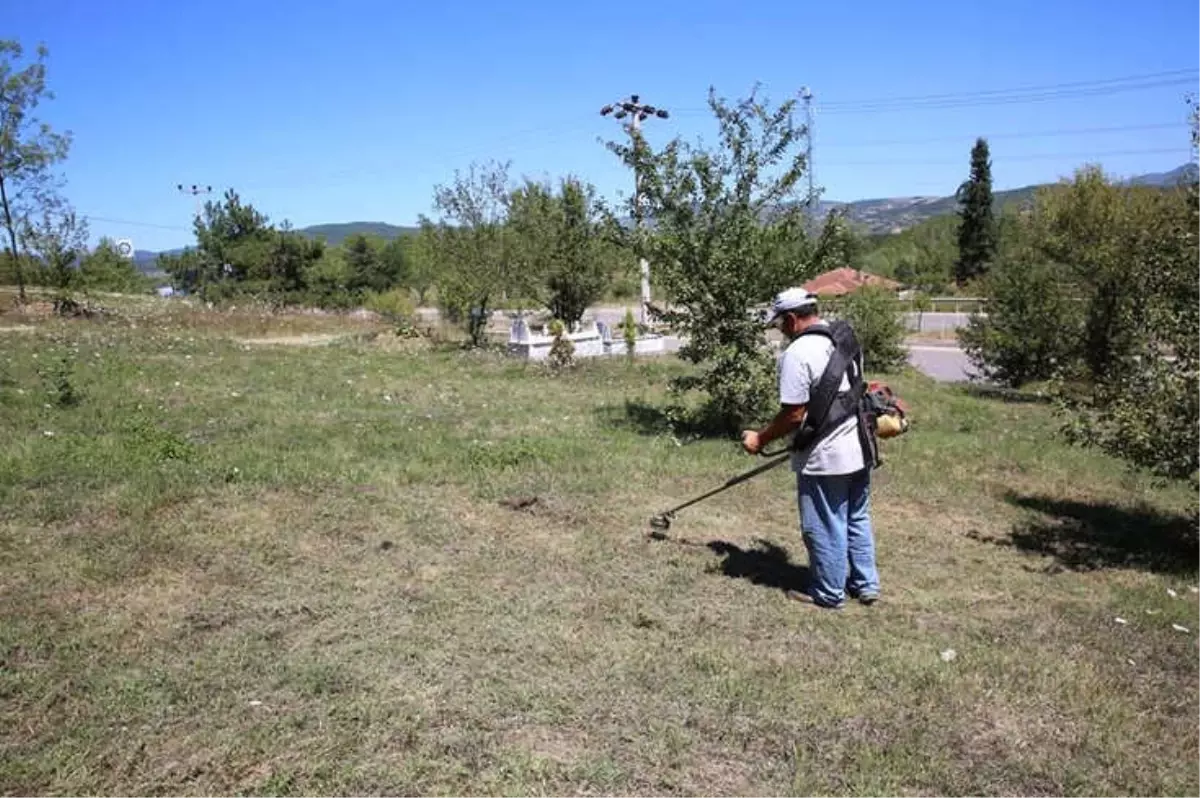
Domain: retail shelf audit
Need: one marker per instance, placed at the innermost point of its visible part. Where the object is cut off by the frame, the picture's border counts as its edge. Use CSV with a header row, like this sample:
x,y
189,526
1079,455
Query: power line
x,y
1026,157
131,223
1049,87
1005,100
1011,96
1015,135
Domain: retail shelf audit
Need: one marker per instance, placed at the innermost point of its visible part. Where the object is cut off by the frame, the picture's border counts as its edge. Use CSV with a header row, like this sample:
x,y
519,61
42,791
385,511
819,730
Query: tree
x,y
421,257
977,227
1033,328
362,255
478,262
233,242
105,269
727,233
872,311
1101,234
1147,412
29,148
287,262
394,266
559,239
57,239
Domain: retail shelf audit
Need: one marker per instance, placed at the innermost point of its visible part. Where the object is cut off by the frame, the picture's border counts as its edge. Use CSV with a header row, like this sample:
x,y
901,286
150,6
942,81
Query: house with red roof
x,y
845,280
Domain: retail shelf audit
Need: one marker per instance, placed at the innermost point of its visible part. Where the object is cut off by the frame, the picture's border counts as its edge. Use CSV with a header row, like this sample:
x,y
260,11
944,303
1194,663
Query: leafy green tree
x,y
234,241
104,269
727,227
362,256
977,227
580,273
239,252
478,262
423,265
1102,234
1033,327
57,239
29,147
1147,411
877,323
327,280
559,239
185,269
287,262
394,263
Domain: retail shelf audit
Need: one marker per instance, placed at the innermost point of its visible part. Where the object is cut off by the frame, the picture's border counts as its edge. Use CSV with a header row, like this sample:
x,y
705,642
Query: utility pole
x,y
637,112
196,191
806,95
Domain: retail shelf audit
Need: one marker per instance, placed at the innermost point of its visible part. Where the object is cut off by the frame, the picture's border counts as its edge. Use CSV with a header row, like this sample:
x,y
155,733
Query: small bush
x,y
877,322
630,331
562,351
1032,329
60,387
395,305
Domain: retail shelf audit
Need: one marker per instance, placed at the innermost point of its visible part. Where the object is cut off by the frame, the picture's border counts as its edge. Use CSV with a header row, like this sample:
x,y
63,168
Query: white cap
x,y
790,299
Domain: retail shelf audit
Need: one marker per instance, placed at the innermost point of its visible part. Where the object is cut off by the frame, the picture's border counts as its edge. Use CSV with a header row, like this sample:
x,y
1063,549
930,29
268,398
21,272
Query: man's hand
x,y
786,421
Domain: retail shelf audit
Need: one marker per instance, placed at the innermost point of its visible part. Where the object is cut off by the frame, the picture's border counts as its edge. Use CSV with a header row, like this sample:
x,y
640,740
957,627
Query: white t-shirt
x,y
800,370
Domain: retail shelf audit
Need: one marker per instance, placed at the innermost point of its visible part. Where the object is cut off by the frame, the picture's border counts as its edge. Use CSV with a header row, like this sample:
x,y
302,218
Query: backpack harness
x,y
828,408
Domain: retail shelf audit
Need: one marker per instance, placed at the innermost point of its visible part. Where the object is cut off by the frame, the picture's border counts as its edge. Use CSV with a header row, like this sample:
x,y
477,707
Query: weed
x,y
58,378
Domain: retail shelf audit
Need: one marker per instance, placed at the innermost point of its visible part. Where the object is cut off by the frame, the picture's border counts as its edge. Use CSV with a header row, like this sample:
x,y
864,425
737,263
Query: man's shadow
x,y
766,564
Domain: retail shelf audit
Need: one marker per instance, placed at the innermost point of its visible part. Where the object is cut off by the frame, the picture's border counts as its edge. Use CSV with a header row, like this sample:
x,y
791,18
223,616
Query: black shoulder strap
x,y
826,407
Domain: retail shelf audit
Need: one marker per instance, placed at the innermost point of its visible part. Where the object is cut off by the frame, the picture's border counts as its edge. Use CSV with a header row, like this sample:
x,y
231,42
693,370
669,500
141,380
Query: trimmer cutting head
x,y
661,522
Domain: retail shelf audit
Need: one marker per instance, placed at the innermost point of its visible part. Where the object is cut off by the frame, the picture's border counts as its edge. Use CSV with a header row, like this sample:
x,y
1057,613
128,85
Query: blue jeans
x,y
835,519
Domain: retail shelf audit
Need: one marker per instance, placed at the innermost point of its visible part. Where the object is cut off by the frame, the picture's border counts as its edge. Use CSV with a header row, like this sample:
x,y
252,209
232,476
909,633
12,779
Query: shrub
x,y
59,385
562,351
1032,329
395,305
630,331
876,319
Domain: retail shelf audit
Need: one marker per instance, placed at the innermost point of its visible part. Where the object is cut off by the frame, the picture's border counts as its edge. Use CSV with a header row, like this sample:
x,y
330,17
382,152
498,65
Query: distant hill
x,y
1172,178
894,214
335,234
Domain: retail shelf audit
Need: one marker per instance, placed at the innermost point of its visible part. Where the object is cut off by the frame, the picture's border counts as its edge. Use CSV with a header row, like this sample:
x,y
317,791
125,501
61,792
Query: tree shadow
x,y
1003,394
653,420
1084,536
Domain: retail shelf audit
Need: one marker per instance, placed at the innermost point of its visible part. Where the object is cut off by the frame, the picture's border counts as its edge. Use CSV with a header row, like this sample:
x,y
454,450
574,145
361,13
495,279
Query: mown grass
x,y
236,568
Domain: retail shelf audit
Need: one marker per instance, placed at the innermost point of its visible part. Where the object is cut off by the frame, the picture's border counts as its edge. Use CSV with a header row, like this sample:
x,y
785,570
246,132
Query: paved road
x,y
943,363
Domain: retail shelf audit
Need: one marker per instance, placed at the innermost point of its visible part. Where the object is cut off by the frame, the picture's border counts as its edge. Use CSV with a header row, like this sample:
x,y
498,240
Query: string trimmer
x,y
662,521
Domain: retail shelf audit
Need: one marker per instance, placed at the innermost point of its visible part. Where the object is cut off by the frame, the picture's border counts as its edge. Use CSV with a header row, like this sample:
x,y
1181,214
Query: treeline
x,y
101,269
529,244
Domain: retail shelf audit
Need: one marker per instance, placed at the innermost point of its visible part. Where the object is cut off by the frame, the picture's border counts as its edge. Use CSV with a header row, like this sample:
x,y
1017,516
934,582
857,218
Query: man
x,y
833,483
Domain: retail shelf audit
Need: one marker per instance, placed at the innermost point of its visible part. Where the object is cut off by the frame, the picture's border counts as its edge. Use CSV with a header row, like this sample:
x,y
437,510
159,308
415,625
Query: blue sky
x,y
316,115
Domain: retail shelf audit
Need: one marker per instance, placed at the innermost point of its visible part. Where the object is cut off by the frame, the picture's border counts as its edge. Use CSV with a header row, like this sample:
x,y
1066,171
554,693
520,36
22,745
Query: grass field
x,y
232,567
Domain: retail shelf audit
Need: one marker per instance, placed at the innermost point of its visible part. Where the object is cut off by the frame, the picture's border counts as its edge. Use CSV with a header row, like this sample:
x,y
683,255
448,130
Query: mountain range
x,y
873,216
